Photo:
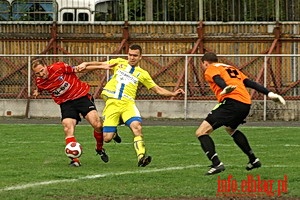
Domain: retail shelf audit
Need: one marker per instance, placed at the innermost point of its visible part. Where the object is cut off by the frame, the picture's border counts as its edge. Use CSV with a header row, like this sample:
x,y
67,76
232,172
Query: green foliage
x,y
33,165
247,10
136,10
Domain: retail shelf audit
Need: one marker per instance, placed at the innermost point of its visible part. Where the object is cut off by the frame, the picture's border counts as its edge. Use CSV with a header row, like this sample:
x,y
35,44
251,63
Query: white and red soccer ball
x,y
73,150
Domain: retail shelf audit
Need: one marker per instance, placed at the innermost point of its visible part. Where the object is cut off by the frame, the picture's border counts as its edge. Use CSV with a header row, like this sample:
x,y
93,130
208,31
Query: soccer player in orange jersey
x,y
229,85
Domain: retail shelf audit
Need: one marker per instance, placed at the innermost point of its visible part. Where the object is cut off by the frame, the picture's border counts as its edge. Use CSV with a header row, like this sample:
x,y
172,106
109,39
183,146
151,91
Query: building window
x,y
4,11
32,11
69,17
83,17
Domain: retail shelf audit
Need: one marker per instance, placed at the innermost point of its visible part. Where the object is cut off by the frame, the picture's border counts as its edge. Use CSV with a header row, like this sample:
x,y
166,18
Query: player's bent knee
x,y
107,137
229,130
98,126
198,134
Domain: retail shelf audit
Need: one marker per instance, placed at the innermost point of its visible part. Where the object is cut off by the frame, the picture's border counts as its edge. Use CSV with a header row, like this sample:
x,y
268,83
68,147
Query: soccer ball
x,y
73,150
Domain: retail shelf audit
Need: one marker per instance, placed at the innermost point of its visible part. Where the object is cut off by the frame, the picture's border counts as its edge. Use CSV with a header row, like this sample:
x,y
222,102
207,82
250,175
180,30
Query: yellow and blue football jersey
x,y
124,82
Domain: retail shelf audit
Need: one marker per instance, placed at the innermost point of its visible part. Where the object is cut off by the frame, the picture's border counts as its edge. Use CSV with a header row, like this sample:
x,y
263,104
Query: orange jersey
x,y
231,76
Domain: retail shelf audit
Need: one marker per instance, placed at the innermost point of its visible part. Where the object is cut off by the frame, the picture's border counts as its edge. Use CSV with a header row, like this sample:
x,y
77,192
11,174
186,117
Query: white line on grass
x,y
31,185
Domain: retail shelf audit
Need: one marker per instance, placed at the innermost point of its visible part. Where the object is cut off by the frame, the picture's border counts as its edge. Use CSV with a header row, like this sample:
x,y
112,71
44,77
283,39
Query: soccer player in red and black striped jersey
x,y
229,85
72,95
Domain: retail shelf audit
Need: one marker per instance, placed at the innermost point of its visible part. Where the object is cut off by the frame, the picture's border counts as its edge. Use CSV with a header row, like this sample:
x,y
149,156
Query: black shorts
x,y
230,113
74,108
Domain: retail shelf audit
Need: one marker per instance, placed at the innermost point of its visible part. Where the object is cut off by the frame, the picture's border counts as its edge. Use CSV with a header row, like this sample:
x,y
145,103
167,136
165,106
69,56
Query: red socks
x,y
70,139
99,138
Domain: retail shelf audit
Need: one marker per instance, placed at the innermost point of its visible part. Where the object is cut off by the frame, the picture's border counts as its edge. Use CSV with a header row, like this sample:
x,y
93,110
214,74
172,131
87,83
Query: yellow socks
x,y
139,146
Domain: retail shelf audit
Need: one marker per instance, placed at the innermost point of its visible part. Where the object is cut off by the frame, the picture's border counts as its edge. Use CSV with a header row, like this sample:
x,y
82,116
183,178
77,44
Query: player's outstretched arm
x,y
260,88
103,65
90,66
164,92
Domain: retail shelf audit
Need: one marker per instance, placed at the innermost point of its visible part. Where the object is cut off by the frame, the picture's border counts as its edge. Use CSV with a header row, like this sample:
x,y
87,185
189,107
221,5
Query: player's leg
x,y
242,142
69,119
208,146
238,116
69,128
87,108
111,116
215,119
133,119
117,137
94,119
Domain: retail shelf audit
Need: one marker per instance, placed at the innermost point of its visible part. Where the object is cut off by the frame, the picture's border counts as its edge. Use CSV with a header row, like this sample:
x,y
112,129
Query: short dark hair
x,y
209,57
136,47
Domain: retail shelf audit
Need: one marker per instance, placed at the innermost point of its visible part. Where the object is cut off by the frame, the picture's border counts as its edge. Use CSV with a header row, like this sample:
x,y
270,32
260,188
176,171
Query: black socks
x,y
239,138
242,142
208,147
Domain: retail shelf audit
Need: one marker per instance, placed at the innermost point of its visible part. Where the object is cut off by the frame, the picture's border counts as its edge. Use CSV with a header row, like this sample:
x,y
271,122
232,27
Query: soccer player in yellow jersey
x,y
229,85
119,96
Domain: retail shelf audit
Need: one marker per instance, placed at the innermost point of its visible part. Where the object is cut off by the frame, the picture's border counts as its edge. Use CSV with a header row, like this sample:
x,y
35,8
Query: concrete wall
x,y
46,108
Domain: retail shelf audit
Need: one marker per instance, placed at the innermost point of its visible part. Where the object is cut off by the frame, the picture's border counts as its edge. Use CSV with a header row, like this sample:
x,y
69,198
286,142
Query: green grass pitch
x,y
33,164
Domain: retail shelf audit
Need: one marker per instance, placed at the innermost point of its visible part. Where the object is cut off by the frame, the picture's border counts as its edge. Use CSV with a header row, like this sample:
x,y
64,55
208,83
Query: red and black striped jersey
x,y
62,83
